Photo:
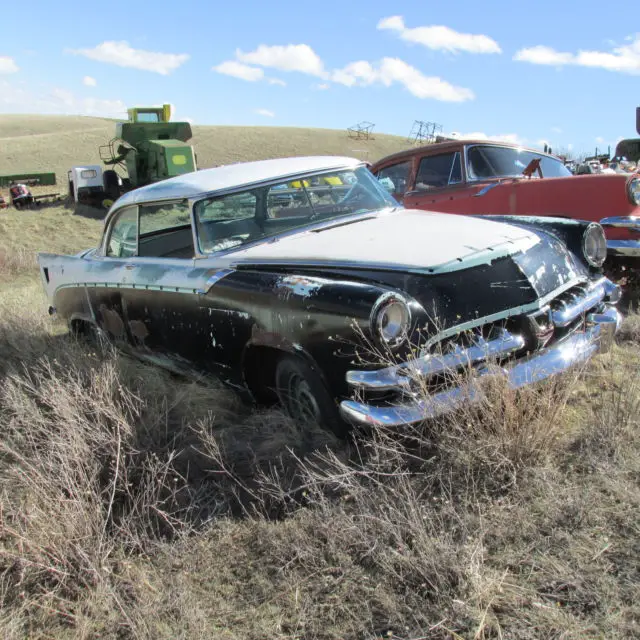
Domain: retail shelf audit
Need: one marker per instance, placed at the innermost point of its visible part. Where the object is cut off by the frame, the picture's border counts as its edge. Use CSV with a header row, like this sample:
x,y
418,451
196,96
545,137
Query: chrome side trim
x,y
400,376
486,189
574,350
214,279
566,311
622,222
626,248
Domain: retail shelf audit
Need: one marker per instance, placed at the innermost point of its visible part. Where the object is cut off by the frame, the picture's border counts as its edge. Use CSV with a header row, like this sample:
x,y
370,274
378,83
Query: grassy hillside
x,y
56,143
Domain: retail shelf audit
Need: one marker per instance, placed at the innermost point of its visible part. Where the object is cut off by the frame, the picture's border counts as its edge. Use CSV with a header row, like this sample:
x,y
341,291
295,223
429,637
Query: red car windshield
x,y
487,161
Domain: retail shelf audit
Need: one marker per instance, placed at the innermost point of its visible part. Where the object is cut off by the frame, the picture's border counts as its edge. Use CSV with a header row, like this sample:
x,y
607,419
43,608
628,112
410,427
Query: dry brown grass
x,y
135,505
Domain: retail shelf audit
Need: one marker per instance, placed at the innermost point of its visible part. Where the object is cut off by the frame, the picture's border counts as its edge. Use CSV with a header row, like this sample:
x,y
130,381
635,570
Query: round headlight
x,y
390,320
594,245
633,188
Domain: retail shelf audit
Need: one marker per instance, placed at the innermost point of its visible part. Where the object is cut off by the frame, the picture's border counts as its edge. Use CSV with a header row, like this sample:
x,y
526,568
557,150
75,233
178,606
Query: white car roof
x,y
230,176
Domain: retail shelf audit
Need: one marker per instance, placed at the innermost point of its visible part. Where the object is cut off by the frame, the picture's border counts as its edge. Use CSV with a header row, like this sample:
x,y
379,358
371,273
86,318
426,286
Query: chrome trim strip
x,y
214,279
568,312
400,376
622,222
126,285
487,188
575,349
628,248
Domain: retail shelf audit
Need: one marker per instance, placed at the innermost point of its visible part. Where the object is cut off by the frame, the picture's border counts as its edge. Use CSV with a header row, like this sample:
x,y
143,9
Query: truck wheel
x,y
71,194
111,184
305,397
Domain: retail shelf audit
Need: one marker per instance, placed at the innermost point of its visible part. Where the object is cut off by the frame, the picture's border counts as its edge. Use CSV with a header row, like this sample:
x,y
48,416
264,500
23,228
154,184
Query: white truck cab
x,y
86,184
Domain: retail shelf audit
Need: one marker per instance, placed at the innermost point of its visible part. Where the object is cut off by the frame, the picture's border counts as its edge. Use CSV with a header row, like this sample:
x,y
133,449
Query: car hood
x,y
400,239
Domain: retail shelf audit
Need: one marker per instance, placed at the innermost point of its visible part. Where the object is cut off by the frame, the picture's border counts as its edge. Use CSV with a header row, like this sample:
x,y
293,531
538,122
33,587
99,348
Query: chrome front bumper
x,y
578,347
627,248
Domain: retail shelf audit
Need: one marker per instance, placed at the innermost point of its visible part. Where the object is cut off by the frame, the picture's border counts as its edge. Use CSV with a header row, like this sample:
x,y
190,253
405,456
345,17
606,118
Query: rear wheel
x,y
305,397
111,184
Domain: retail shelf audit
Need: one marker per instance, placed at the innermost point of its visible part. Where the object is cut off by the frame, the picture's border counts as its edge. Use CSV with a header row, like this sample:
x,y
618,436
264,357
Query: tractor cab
x,y
148,147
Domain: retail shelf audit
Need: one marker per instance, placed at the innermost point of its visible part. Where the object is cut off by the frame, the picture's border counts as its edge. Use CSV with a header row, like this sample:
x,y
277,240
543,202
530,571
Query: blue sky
x,y
563,72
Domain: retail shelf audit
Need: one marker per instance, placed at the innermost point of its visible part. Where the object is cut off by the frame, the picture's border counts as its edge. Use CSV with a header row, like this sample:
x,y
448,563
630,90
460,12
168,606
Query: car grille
x,y
490,344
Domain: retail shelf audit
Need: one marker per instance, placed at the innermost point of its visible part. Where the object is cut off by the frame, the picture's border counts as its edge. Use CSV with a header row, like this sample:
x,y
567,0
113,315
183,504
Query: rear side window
x,y
165,230
439,171
162,217
396,177
88,173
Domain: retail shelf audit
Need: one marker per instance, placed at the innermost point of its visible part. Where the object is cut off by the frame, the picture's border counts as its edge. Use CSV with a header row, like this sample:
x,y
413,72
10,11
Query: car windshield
x,y
487,161
235,219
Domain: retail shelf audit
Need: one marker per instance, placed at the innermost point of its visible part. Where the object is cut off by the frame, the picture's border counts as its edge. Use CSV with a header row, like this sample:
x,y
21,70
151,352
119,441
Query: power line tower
x,y
423,132
361,131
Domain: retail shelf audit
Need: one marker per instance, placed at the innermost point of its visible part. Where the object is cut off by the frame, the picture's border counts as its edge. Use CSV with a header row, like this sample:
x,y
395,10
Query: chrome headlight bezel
x,y
390,320
594,245
633,191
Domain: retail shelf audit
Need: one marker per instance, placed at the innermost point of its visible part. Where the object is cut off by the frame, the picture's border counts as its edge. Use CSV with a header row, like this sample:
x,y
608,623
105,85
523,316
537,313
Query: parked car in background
x,y
482,177
302,280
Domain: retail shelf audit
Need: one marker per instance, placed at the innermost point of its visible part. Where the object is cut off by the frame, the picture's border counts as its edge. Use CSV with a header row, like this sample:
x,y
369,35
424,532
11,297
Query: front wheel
x,y
305,397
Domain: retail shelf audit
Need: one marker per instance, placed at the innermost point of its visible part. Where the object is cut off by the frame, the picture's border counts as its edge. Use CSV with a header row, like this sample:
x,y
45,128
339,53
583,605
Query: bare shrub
x,y
16,261
137,504
630,330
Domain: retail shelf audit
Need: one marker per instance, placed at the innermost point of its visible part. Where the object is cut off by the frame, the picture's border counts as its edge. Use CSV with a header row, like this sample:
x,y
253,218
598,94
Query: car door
x,y
396,178
107,275
159,303
438,179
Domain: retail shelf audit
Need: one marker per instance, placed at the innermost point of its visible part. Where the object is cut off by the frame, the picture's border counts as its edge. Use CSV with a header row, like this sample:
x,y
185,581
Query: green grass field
x,y
136,504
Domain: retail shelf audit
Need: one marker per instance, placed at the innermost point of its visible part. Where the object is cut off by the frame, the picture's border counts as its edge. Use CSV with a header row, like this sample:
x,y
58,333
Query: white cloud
x,y
121,54
303,59
88,81
440,38
556,129
542,55
18,98
277,81
322,86
395,71
623,59
290,57
8,65
265,112
239,70
599,140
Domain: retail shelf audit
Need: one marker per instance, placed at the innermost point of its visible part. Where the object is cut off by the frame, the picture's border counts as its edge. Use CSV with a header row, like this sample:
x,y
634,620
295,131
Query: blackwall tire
x,y
111,184
305,397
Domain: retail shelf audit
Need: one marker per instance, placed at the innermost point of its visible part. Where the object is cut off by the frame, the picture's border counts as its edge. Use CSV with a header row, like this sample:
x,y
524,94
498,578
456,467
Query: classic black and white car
x,y
302,280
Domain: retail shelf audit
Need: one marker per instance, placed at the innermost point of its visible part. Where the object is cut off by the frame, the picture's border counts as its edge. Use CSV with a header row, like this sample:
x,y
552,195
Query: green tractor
x,y
147,148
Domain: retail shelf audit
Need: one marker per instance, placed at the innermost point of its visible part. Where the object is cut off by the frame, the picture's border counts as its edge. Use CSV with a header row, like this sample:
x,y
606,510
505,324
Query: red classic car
x,y
483,177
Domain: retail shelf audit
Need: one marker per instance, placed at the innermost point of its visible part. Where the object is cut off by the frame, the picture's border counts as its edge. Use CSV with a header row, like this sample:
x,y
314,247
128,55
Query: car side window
x,y
289,200
123,237
439,171
227,221
165,230
396,177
